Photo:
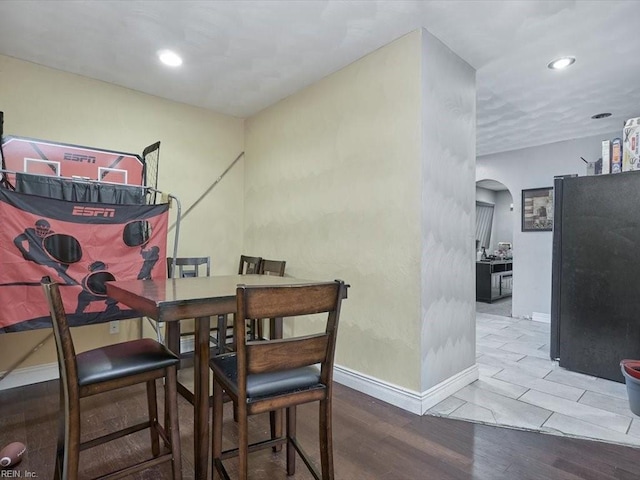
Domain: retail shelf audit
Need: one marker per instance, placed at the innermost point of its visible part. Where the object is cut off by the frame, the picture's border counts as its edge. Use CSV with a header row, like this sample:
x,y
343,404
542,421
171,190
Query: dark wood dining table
x,y
174,299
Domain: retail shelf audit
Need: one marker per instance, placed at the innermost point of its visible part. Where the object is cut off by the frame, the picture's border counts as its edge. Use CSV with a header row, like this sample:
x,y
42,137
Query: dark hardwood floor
x,y
372,440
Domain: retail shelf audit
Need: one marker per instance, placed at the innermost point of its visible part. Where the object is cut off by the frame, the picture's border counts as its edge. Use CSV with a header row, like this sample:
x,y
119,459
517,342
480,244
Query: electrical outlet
x,y
114,326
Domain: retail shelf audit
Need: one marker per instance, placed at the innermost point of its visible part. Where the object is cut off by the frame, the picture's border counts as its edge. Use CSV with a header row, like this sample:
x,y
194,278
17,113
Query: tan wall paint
x,y
333,187
197,146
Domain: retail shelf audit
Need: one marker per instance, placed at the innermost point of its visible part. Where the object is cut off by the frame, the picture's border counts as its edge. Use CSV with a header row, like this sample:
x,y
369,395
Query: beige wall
x,y
197,146
366,176
333,187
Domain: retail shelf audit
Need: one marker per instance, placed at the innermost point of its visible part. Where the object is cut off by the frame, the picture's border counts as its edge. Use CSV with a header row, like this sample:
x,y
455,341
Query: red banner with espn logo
x,y
79,245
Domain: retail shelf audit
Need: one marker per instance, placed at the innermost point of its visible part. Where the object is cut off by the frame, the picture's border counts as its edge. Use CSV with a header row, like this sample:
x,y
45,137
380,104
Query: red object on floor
x,y
632,367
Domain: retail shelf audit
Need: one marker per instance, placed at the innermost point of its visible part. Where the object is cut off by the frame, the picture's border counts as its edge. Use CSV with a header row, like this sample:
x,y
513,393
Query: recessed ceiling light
x,y
598,116
562,62
172,59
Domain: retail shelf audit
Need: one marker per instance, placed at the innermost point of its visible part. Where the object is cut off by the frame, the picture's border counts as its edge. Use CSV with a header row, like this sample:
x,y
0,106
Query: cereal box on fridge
x,y
630,148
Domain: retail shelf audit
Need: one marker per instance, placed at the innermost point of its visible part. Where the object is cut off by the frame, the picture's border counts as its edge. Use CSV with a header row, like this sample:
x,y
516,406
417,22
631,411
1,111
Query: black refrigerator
x,y
595,298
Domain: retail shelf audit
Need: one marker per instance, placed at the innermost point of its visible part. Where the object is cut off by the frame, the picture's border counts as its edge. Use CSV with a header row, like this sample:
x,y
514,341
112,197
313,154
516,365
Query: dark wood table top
x,y
179,298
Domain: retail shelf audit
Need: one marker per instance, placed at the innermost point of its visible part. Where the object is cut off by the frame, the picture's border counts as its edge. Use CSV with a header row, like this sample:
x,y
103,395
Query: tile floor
x,y
519,386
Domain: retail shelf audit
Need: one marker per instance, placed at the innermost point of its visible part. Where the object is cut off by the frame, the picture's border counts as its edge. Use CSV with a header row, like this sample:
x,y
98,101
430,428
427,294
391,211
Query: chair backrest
x,y
64,342
249,265
272,267
297,302
189,266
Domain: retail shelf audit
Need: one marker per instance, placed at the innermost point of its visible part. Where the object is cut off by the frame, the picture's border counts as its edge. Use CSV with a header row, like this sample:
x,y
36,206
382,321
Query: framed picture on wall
x,y
537,209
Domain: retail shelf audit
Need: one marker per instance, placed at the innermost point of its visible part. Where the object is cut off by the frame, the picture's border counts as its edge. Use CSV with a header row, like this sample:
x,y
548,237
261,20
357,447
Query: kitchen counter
x,y
493,279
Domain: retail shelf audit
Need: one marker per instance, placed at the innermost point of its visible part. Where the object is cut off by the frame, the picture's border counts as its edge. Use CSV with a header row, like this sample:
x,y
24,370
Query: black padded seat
x,y
264,384
123,359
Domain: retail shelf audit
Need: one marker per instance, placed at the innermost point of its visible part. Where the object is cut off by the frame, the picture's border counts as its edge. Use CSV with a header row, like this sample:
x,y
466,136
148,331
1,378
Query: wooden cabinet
x,y
493,280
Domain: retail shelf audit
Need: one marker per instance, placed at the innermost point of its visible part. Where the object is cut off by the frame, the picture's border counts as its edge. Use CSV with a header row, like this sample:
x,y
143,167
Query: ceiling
x,y
242,56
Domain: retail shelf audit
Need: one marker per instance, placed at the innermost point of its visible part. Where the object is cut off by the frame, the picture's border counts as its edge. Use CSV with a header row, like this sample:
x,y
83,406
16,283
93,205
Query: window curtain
x,y
484,222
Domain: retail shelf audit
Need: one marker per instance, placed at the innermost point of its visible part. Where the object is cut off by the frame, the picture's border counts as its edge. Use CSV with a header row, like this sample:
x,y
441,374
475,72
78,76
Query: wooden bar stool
x,y
269,267
261,376
249,265
196,267
104,369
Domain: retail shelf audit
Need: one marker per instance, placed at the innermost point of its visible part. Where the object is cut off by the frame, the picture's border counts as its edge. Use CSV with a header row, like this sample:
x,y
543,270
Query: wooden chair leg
x,y
260,328
168,420
275,331
233,339
275,328
152,403
171,405
326,440
57,474
172,340
291,434
71,458
222,334
275,422
217,416
243,443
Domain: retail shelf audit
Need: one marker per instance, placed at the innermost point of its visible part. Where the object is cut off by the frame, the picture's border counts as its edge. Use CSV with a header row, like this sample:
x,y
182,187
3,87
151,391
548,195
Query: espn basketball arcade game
x,y
82,216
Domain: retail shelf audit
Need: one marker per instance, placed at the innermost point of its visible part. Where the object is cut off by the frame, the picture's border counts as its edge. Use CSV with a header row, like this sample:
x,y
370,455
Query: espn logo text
x,y
74,157
93,212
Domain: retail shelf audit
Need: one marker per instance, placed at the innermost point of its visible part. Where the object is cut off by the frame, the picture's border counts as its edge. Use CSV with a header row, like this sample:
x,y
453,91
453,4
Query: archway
x,y
494,242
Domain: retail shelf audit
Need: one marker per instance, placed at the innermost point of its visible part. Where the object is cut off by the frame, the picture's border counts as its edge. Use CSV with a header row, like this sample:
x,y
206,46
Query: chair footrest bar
x,y
189,396
254,447
125,472
217,464
163,433
305,458
112,436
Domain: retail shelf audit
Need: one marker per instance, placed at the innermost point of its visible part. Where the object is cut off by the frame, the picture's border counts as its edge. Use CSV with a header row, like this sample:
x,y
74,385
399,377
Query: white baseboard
x,y
401,397
448,387
541,317
30,375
